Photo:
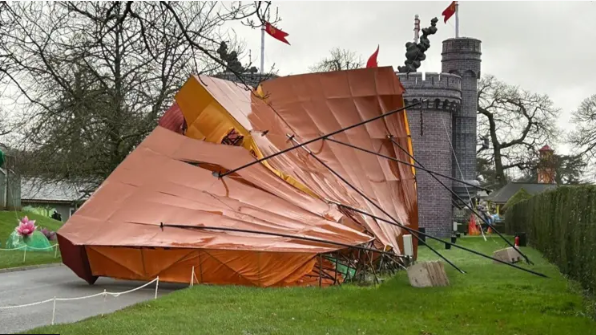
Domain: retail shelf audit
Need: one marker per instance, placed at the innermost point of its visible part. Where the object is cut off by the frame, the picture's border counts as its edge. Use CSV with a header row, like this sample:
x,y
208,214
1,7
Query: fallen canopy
x,y
117,233
169,178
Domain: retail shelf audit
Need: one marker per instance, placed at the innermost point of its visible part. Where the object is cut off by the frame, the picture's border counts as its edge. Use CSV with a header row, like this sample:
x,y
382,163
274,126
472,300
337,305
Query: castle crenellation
x,y
465,44
431,80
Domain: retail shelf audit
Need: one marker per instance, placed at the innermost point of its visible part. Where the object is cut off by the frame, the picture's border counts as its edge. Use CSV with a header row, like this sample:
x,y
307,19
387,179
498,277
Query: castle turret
x,y
462,56
431,129
546,166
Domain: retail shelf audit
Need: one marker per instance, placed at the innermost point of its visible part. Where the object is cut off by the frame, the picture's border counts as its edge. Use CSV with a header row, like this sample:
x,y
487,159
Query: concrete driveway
x,y
28,286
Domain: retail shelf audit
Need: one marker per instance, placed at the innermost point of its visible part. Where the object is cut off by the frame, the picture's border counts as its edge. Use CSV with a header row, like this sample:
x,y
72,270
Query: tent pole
x,y
404,163
438,239
460,199
370,201
162,225
221,175
320,270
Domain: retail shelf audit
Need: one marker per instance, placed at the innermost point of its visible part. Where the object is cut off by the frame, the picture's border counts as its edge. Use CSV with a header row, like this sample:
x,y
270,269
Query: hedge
x,y
561,223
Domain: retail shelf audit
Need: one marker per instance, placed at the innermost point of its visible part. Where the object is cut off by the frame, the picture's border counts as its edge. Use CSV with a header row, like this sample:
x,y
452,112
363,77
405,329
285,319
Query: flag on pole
x,y
276,33
448,13
372,60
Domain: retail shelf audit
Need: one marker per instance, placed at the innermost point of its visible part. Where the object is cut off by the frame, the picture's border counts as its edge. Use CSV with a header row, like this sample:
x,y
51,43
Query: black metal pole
x,y
319,138
462,201
372,202
274,234
320,269
438,239
402,162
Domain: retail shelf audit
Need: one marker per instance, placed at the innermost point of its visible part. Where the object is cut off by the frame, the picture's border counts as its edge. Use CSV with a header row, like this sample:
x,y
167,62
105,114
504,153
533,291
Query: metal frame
x,y
318,138
369,200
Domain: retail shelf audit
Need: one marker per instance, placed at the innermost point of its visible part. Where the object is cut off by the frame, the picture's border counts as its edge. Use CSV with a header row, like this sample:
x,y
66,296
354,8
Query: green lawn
x,y
490,299
9,259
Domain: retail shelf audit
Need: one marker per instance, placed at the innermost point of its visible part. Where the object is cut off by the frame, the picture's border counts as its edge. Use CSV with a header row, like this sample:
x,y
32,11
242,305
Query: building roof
x,y
502,195
52,191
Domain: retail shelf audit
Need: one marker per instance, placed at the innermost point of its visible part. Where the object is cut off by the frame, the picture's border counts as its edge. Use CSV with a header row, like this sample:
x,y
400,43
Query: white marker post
x,y
262,49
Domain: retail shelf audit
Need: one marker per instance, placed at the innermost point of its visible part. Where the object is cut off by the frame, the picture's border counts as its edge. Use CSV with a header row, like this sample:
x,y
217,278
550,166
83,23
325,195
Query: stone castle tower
x,y
444,131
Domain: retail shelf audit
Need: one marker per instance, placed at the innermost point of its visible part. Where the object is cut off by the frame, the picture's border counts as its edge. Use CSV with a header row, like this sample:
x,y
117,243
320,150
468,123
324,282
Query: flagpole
x,y
416,29
262,49
457,19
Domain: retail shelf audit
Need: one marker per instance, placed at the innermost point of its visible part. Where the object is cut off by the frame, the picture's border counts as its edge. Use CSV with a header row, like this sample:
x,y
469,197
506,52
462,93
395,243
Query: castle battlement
x,y
431,80
462,45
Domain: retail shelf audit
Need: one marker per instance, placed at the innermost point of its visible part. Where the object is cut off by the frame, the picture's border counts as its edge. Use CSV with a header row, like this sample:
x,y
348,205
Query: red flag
x,y
372,61
276,33
447,13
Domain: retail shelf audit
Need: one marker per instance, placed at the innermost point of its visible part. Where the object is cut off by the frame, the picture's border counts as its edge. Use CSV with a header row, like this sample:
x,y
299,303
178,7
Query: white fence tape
x,y
105,293
28,247
25,247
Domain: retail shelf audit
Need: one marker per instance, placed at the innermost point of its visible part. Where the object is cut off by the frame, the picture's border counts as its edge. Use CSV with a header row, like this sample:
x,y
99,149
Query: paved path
x,y
23,287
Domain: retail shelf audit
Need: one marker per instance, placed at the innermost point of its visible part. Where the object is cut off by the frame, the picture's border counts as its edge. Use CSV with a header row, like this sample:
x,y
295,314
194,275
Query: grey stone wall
x,y
431,129
462,56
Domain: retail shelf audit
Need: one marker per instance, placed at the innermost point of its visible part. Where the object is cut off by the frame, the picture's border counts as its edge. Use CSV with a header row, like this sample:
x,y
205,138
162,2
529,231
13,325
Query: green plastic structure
x,y
34,242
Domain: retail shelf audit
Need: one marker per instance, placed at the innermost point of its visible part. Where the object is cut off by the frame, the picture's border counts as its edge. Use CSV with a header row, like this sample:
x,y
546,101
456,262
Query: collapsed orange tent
x,y
264,225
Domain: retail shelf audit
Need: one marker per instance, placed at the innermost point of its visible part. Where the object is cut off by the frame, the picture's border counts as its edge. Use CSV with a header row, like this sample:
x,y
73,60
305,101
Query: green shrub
x,y
561,224
518,197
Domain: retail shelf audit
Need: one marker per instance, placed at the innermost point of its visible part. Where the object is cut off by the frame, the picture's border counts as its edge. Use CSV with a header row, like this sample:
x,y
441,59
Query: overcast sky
x,y
545,47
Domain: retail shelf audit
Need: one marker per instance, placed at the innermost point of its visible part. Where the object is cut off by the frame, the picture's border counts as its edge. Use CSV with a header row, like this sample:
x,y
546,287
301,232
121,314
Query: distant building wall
x,y
64,209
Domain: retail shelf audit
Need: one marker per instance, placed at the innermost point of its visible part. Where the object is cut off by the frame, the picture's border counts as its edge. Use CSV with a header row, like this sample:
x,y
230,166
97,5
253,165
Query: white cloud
x,y
544,47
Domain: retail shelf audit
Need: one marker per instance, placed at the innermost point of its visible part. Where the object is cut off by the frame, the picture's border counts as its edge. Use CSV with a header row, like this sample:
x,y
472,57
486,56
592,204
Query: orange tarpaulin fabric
x,y
172,178
307,106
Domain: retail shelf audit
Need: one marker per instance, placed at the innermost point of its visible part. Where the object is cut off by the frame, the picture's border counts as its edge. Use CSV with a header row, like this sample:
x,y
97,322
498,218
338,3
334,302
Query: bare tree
x,y
583,138
5,127
513,124
97,75
339,59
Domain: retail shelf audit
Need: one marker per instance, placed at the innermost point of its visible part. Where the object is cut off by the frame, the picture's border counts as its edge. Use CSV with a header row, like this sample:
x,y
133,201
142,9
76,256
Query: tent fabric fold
x,y
148,217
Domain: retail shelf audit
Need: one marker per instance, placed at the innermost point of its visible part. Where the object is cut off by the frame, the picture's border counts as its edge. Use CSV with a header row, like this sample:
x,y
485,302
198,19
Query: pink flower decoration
x,y
26,227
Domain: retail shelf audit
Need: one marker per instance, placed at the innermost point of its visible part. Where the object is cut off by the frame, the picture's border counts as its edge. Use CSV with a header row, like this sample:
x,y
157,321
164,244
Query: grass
x,y
10,259
490,299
